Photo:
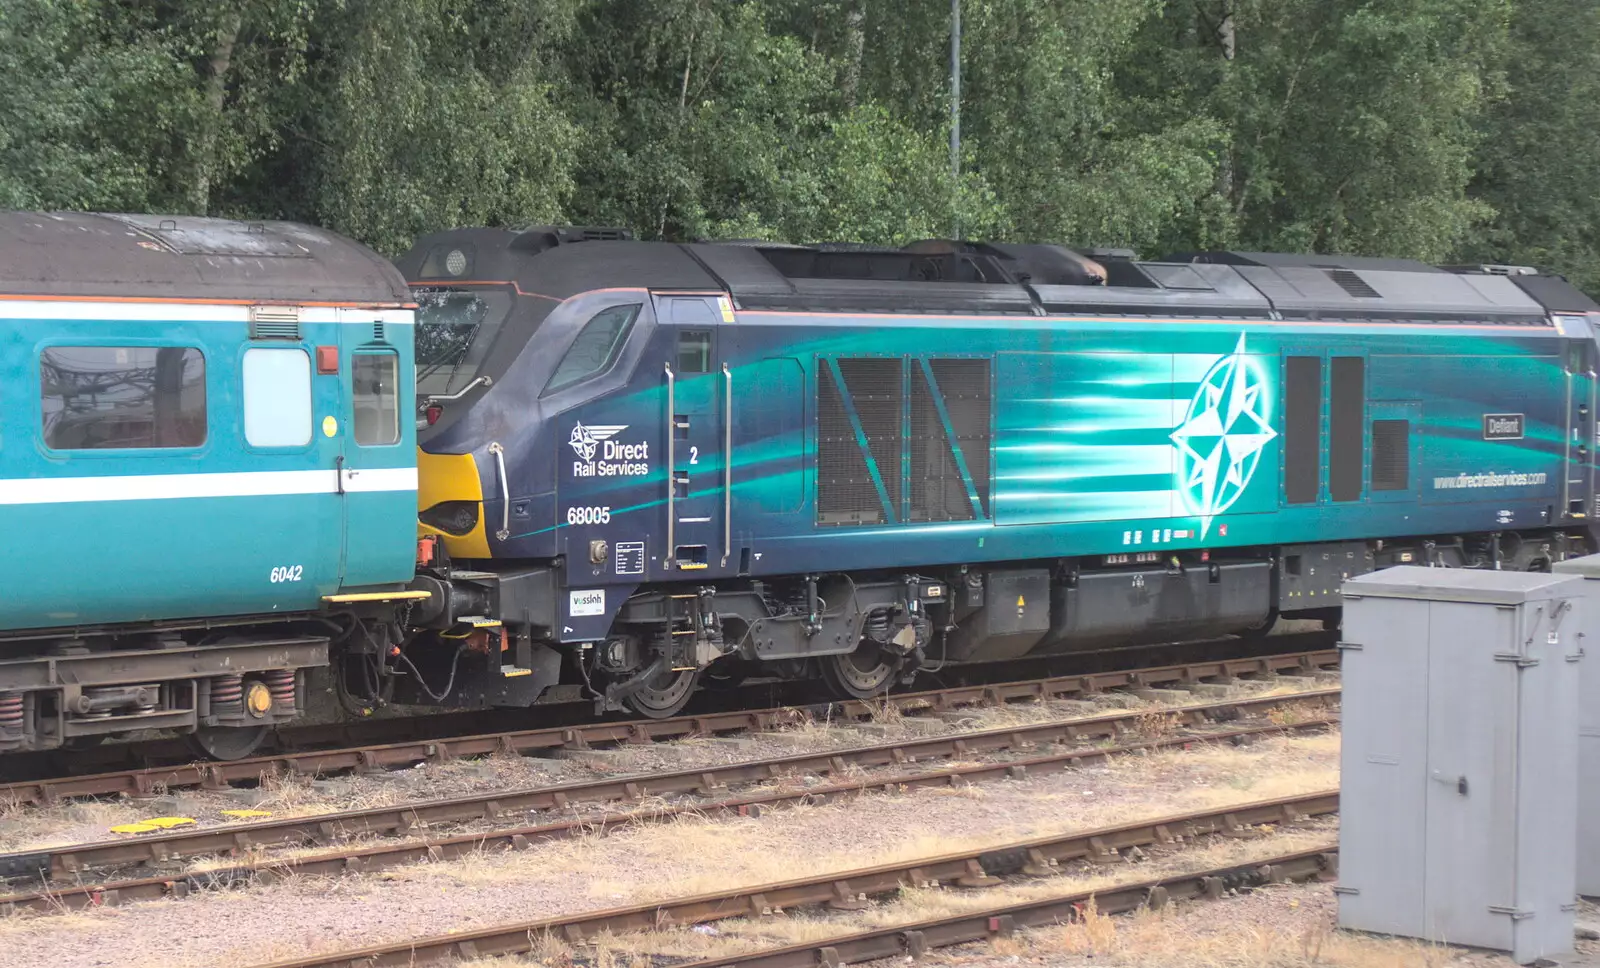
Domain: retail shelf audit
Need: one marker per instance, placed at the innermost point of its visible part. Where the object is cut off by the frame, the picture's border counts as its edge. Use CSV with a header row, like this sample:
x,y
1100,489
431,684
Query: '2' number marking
x,y
694,455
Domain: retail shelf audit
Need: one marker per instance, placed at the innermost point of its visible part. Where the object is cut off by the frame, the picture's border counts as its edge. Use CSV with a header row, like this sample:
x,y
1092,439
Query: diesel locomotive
x,y
237,459
647,465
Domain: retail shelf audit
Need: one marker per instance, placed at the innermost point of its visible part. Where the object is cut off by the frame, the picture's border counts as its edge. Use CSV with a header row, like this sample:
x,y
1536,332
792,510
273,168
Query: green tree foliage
x,y
1439,129
88,116
1351,124
434,113
1538,165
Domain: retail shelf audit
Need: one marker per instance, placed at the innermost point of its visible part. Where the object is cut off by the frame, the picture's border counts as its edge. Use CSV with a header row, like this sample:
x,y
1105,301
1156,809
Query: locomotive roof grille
x,y
1353,284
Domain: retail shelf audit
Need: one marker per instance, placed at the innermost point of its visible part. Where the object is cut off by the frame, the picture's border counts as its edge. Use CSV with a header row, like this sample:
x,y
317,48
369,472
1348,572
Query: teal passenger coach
x,y
207,469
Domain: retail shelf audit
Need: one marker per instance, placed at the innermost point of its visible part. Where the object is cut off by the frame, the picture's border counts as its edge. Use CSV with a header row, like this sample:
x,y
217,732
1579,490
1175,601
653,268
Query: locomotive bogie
x,y
70,691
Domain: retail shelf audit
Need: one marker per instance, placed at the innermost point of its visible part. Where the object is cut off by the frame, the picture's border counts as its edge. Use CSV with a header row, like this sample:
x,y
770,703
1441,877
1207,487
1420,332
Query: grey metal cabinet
x,y
1457,790
1588,858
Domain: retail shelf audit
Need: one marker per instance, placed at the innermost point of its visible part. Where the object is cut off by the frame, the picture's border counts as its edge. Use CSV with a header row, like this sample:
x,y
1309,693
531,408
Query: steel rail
x,y
841,889
72,860
377,758
113,893
914,938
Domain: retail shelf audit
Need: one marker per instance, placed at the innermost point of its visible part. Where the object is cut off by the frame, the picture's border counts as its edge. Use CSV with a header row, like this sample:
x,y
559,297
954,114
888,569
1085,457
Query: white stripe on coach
x,y
189,312
157,487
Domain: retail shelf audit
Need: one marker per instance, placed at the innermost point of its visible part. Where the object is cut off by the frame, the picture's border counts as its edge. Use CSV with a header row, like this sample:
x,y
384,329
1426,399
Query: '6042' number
x,y
286,573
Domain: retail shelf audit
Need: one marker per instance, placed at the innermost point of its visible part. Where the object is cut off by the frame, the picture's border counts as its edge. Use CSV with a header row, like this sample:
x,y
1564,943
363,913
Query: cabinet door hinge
x,y
1515,913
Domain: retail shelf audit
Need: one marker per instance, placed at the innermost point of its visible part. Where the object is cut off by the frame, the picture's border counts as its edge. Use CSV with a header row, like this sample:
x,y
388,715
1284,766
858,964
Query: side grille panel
x,y
1302,429
1346,417
937,491
1391,455
969,399
910,442
845,494
875,386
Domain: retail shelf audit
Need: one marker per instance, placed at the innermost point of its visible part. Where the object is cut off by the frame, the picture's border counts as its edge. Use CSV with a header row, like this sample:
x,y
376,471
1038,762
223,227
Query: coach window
x,y
597,346
377,399
277,397
122,397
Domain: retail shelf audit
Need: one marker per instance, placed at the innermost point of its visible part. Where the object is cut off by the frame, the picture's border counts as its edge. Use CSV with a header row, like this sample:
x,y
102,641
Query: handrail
x,y
449,397
672,466
505,491
727,467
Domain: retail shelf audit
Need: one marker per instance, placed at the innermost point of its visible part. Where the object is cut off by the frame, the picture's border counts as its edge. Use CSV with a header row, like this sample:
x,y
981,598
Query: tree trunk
x,y
688,62
1228,44
855,51
216,97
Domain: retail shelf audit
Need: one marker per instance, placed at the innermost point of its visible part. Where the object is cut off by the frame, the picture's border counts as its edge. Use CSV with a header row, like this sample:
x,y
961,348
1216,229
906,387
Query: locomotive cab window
x,y
277,397
376,379
455,329
122,397
596,347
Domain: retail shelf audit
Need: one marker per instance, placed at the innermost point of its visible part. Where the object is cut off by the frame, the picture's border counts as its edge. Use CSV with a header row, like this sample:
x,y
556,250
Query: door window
x,y
376,398
277,397
694,351
115,397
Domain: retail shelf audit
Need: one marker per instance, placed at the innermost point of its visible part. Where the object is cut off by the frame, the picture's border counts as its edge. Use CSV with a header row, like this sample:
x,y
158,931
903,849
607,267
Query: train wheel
x,y
663,696
227,742
862,674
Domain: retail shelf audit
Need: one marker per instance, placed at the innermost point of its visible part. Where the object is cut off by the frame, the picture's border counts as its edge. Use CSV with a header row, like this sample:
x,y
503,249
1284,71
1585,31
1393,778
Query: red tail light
x,y
434,412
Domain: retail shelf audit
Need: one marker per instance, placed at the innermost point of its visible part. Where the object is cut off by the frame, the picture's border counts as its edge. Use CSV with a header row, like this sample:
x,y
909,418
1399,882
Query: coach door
x,y
377,475
698,397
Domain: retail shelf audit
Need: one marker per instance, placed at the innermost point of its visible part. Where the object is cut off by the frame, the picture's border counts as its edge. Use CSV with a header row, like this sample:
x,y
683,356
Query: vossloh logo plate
x,y
588,602
1503,426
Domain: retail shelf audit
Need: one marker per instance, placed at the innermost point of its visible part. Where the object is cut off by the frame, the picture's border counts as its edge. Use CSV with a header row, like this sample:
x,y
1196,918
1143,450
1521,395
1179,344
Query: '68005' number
x,y
588,515
286,573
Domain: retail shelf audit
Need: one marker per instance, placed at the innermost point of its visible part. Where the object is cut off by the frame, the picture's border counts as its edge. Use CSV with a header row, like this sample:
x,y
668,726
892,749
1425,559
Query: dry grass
x,y
1155,724
1170,937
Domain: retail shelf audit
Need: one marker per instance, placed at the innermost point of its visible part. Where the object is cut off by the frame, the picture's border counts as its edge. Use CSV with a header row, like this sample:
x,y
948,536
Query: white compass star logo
x,y
585,440
582,442
1220,440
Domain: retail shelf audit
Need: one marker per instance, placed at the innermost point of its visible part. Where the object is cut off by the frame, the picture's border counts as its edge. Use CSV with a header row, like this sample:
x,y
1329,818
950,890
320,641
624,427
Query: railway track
x,y
320,831
60,863
848,890
914,938
151,781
